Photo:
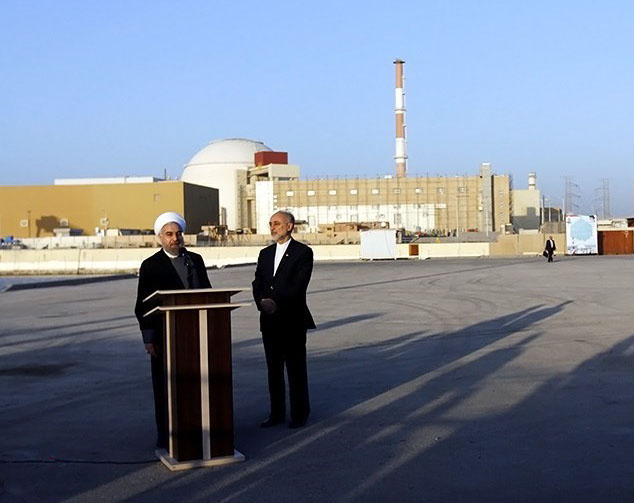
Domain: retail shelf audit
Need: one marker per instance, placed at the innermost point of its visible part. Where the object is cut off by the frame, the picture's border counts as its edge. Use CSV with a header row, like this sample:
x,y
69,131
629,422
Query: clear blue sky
x,y
112,88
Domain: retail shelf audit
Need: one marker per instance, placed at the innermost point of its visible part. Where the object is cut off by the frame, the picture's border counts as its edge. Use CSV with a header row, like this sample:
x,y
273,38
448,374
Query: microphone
x,y
189,265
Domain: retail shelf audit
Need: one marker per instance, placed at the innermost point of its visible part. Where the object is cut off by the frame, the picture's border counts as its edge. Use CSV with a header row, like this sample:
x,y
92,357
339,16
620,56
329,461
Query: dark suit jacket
x,y
550,245
287,288
158,273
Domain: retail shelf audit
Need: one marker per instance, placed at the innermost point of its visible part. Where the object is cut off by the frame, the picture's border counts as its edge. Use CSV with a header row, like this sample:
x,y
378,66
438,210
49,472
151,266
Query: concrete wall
x,y
96,261
525,244
119,260
72,261
133,241
102,261
431,250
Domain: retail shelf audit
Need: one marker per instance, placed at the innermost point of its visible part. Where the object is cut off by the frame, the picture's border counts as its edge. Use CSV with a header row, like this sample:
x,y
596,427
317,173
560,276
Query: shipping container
x,y
617,242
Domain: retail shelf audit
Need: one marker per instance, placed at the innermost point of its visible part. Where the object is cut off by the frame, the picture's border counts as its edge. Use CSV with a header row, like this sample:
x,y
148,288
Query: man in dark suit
x,y
279,289
550,248
171,268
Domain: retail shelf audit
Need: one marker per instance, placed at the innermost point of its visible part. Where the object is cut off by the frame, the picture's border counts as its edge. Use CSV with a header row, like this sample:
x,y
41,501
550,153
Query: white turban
x,y
166,218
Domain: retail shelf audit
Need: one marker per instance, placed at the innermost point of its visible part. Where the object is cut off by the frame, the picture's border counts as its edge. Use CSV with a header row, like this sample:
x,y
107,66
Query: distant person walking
x,y
550,248
279,289
171,268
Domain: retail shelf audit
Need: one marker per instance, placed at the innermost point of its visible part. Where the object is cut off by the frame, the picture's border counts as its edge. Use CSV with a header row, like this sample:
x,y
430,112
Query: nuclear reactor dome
x,y
231,153
223,164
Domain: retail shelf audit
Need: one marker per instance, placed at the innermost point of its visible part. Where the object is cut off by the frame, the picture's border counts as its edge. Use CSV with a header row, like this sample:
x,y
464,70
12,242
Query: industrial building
x,y
526,206
255,181
79,207
233,166
417,204
238,183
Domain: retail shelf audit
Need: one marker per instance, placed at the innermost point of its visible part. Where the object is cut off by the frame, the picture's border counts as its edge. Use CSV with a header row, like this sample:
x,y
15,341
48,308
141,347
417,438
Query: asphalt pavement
x,y
453,380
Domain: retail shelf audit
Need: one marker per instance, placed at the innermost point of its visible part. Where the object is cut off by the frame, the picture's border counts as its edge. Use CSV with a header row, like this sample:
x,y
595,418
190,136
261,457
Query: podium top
x,y
230,291
197,307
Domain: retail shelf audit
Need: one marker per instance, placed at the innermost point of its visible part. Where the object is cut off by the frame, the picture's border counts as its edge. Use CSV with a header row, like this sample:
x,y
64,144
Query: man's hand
x,y
268,306
150,349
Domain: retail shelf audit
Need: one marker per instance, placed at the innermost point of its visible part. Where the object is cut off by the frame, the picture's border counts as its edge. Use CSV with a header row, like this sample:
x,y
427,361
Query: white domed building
x,y
224,165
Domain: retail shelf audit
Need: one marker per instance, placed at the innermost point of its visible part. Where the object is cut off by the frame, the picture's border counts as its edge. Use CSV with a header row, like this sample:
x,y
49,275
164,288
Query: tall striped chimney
x,y
399,110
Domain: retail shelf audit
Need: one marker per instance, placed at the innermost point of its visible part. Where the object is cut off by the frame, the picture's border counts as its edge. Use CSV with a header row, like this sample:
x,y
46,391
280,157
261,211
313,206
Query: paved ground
x,y
35,281
507,380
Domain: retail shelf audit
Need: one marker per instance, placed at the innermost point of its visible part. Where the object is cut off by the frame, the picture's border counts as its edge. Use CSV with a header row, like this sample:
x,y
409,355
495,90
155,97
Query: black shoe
x,y
297,423
270,422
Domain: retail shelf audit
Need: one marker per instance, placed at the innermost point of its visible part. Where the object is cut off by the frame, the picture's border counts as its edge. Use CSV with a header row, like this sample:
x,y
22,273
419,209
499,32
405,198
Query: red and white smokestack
x,y
399,110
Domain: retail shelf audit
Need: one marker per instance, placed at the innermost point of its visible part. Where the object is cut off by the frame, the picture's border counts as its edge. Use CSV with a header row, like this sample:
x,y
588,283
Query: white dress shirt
x,y
169,254
280,250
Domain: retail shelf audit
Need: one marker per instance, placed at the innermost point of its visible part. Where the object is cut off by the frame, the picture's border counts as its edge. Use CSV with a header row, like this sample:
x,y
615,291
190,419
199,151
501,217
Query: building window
x,y
418,190
462,189
397,191
440,190
289,193
332,192
354,192
375,191
310,193
397,219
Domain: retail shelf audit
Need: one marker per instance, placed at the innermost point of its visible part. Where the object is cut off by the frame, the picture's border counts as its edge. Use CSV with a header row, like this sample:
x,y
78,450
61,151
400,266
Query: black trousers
x,y
550,255
159,386
287,348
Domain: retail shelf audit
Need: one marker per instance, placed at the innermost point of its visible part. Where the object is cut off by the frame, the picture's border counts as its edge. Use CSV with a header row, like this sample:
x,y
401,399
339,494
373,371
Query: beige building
x,y
37,211
239,183
254,181
526,206
448,204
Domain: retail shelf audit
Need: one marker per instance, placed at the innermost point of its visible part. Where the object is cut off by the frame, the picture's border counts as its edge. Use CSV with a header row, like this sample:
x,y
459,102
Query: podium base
x,y
175,465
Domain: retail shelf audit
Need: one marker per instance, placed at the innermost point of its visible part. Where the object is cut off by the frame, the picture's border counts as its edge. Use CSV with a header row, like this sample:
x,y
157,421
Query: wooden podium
x,y
197,359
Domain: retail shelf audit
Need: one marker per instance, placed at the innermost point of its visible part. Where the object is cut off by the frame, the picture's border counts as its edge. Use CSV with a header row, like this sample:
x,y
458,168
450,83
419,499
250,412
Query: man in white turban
x,y
166,218
171,268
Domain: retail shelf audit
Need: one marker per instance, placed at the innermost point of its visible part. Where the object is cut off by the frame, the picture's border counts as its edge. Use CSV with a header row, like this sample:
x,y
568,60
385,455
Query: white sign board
x,y
581,235
378,244
264,205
